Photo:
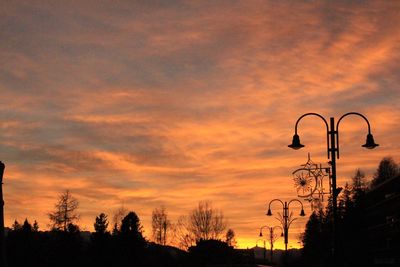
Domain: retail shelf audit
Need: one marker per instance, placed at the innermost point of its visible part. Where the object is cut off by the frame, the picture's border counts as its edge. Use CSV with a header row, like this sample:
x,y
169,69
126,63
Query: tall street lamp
x,y
332,141
272,237
286,218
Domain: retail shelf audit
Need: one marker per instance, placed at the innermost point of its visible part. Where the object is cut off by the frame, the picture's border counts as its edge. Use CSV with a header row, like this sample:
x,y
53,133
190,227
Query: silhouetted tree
x,y
130,243
65,212
316,239
345,200
23,246
35,226
230,238
202,223
26,226
359,180
115,230
130,225
16,226
183,236
101,224
160,225
206,223
101,243
387,169
65,248
118,215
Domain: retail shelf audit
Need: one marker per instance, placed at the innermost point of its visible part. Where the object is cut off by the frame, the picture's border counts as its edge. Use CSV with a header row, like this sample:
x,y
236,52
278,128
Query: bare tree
x,y
202,223
119,214
65,212
182,236
206,223
160,225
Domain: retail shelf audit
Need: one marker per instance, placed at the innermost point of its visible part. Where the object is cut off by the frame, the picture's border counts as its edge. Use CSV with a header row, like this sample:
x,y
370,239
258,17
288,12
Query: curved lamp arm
x,y
370,141
269,213
354,113
302,208
280,228
265,226
296,137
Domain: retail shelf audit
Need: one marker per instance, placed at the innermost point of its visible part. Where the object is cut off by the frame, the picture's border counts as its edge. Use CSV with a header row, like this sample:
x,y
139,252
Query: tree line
x,y
124,244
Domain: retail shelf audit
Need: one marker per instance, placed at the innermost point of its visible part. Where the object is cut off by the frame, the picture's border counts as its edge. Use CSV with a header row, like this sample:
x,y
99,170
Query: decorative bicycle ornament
x,y
309,182
305,182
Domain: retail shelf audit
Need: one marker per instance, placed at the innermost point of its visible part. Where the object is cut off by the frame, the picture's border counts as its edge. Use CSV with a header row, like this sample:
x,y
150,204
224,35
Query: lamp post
x,y
332,141
286,217
271,237
3,261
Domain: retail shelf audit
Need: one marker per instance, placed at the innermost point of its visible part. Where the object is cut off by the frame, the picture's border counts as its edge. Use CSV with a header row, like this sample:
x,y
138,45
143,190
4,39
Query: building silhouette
x,y
382,229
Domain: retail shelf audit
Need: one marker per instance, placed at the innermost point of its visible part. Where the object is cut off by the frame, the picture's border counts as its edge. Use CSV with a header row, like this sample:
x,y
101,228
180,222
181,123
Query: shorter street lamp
x,y
272,238
286,218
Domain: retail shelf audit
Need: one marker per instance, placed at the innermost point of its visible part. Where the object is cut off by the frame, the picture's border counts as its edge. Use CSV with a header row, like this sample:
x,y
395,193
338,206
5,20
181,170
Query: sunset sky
x,y
148,103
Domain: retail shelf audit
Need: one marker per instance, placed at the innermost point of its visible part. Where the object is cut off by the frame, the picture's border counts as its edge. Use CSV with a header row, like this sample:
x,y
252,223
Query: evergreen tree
x,y
345,200
359,180
387,169
16,226
130,243
317,238
101,224
130,226
26,226
101,238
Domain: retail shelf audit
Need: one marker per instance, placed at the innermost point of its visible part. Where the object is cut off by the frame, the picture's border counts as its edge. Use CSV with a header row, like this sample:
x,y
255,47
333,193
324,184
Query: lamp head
x,y
302,214
296,142
282,234
260,234
269,213
370,143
